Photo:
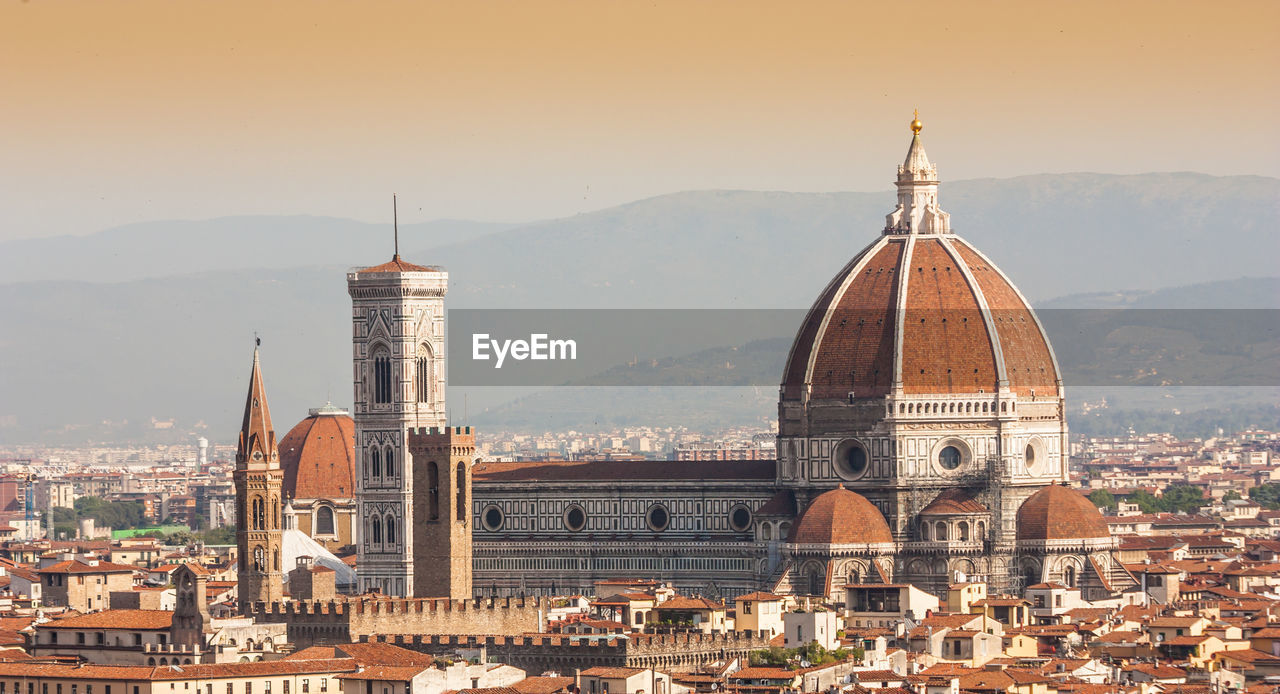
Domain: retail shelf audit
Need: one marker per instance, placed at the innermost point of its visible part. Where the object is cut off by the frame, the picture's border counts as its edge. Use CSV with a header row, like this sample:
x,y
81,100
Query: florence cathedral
x,y
922,439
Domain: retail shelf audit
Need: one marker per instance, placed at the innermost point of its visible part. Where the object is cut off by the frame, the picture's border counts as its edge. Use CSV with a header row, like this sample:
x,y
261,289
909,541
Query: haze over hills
x,y
167,248
157,321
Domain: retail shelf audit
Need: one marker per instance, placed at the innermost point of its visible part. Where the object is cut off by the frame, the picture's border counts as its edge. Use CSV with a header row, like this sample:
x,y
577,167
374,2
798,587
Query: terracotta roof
x,y
114,619
1249,656
681,602
1058,513
366,654
848,340
764,673
318,457
198,569
184,672
757,596
75,566
954,500
390,673
610,470
878,676
840,517
612,672
543,685
398,265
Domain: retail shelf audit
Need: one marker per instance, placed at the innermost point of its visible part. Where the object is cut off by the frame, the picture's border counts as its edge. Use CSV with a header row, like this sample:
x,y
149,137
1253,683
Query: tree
x,y
225,535
119,515
1231,495
1103,499
1145,501
1266,495
1184,498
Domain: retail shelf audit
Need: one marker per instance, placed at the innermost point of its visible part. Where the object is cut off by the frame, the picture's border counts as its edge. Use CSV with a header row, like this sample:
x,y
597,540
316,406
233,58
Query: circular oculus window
x,y
740,518
657,518
851,460
950,457
575,518
492,518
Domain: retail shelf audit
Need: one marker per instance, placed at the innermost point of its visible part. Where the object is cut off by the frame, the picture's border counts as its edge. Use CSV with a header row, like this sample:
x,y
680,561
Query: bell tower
x,y
397,332
258,480
442,459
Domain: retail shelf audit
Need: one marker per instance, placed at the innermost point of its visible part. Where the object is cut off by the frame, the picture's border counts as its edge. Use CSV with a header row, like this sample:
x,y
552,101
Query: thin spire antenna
x,y
395,224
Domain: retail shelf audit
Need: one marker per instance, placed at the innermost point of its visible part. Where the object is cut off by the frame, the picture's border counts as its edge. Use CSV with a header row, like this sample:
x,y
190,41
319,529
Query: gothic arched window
x,y
462,492
375,536
259,559
324,521
391,529
275,559
377,462
381,376
422,373
940,531
259,513
390,458
964,531
433,490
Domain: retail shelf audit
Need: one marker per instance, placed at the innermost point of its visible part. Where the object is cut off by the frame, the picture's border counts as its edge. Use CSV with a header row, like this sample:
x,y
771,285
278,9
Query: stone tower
x,y
191,619
258,480
397,315
442,459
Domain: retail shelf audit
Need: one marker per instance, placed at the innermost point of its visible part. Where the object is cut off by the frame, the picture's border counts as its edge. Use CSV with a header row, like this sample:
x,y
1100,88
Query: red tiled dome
x,y
1059,513
953,501
318,456
840,517
849,340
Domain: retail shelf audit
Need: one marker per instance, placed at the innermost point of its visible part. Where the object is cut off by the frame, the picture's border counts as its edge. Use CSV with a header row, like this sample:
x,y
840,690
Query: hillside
x,y
157,321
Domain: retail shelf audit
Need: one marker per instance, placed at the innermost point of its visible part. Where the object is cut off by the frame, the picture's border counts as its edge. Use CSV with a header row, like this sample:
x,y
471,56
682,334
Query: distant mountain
x,y
85,347
1243,293
1054,234
149,250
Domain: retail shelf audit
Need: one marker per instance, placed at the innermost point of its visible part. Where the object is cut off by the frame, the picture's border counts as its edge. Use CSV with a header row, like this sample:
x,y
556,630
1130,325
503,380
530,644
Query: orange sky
x,y
125,111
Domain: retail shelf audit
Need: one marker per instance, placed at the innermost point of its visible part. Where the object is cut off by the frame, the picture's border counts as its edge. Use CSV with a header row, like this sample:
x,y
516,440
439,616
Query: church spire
x,y
917,211
257,438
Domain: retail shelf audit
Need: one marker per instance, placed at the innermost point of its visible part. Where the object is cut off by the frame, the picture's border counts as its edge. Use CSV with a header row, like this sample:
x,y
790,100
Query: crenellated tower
x,y
442,460
397,316
258,481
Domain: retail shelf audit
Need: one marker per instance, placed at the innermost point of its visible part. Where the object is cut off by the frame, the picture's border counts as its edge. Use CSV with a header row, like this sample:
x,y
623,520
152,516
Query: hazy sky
x,y
114,112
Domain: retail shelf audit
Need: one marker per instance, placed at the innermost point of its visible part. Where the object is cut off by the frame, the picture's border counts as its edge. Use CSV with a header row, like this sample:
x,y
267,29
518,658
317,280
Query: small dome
x,y
1059,513
953,501
318,456
840,517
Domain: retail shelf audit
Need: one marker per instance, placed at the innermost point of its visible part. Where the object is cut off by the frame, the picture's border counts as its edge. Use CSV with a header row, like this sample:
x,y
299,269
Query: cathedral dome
x,y
1058,513
318,456
840,517
922,309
